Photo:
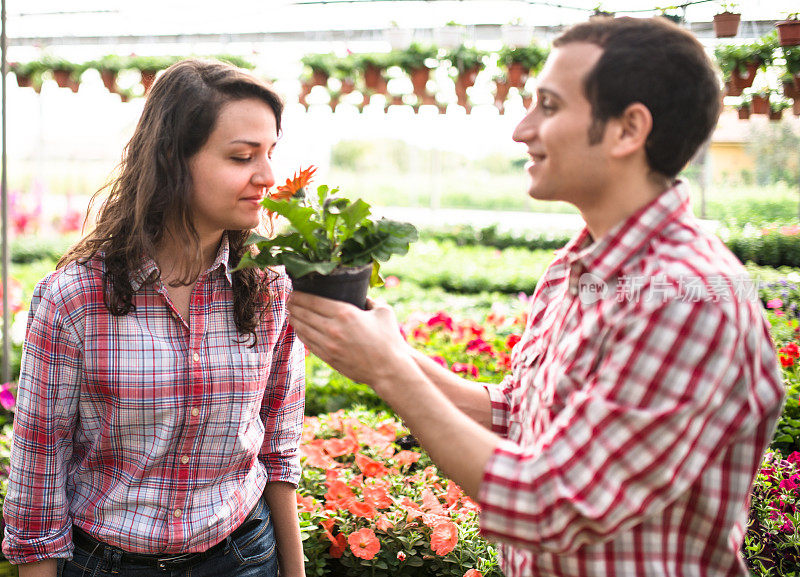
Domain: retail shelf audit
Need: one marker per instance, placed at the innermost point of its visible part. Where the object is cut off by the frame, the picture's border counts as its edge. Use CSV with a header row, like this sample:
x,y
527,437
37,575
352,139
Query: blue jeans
x,y
251,553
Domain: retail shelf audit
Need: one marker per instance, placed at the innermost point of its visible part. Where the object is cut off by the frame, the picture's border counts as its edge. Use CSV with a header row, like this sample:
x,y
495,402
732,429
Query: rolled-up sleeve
x,y
36,510
500,401
284,402
661,403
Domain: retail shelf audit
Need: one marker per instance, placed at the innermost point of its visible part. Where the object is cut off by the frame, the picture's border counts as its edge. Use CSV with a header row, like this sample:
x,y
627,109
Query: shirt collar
x,y
606,256
148,266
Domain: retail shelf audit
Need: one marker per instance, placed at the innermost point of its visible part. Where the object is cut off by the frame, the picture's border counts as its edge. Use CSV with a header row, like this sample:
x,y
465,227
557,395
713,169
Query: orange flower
x,y
338,547
339,447
378,497
444,538
370,467
306,503
298,182
473,573
364,544
360,509
383,523
404,457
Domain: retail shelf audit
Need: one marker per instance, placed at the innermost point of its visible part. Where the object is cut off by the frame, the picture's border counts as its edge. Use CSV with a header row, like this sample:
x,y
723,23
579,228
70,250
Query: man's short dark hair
x,y
657,63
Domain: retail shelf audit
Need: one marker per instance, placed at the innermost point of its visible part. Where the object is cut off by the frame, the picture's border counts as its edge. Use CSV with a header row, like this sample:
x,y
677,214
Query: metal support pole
x,y
6,366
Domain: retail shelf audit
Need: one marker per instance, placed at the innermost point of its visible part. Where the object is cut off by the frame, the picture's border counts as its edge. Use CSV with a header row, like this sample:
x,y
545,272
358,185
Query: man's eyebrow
x,y
548,92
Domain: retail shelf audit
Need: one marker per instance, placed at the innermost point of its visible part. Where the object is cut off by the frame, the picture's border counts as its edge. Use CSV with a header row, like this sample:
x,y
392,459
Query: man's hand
x,y
366,346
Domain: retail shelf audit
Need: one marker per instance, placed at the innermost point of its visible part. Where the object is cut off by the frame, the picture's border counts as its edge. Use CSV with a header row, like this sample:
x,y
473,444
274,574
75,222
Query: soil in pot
x,y
347,284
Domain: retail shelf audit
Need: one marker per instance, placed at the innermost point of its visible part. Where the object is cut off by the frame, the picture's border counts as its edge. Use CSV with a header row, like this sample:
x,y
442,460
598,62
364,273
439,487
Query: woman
x,y
161,395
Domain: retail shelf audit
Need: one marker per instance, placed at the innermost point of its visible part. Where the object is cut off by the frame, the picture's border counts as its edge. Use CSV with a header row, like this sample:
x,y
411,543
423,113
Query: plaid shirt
x,y
153,433
643,393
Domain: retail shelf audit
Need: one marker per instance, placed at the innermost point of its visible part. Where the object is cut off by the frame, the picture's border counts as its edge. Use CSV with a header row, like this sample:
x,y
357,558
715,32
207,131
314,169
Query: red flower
x,y
364,544
338,547
786,360
401,556
792,350
478,345
306,503
370,467
440,360
512,340
444,538
441,320
339,447
466,368
383,523
794,457
473,573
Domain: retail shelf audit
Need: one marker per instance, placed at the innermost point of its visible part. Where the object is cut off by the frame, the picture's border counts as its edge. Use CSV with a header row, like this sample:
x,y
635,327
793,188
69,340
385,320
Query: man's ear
x,y
631,130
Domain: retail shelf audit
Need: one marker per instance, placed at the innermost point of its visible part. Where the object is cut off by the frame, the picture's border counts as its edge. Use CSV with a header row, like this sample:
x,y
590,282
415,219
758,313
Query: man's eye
x,y
241,158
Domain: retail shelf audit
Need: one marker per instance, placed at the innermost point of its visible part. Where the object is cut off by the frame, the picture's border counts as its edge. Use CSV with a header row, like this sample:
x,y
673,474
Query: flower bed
x,y
372,504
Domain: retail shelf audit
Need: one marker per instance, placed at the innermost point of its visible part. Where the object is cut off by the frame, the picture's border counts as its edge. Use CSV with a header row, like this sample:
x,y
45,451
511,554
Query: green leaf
x,y
322,193
255,238
297,265
354,215
299,216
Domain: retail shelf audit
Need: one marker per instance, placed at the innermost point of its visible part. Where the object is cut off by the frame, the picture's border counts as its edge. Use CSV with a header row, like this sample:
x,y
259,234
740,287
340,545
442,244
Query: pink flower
x,y
794,457
774,304
7,399
401,556
440,360
479,346
441,319
465,368
790,483
391,281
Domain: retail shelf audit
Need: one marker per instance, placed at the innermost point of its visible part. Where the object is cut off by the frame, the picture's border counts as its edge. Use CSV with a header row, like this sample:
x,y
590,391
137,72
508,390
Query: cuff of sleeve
x,y
500,409
18,552
283,470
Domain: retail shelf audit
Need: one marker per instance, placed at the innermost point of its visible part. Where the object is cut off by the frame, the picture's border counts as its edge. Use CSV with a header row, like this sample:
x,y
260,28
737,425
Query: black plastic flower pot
x,y
348,284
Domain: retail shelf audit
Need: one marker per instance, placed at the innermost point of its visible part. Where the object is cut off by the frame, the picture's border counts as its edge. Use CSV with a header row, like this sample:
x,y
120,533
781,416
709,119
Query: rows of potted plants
x,y
369,73
67,73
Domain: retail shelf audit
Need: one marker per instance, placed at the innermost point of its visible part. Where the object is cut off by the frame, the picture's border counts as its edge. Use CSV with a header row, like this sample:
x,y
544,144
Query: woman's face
x,y
233,171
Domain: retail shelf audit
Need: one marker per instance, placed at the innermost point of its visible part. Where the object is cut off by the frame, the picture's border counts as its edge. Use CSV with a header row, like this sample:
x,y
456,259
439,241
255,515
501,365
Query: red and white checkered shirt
x,y
643,393
153,433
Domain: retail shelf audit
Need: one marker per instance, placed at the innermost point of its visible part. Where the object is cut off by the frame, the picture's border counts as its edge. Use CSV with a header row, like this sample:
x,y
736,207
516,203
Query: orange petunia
x,y
298,182
338,547
361,509
339,447
405,457
370,467
444,538
364,544
473,573
383,523
378,497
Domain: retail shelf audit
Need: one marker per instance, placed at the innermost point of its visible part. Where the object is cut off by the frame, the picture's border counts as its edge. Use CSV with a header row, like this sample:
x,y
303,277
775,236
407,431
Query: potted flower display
x,y
466,62
372,65
776,108
740,63
321,67
759,102
789,30
726,23
149,66
331,248
109,67
29,74
743,110
791,54
518,62
344,71
416,61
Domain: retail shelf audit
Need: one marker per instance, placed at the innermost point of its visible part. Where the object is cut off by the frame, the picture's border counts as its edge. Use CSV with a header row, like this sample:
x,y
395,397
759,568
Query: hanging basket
x,y
740,81
109,78
419,80
726,24
148,77
517,75
62,78
373,79
788,32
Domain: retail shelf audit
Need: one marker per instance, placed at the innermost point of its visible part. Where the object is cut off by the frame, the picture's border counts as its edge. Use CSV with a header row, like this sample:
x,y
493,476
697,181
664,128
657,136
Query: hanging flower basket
x,y
62,78
744,80
726,24
109,78
419,80
789,32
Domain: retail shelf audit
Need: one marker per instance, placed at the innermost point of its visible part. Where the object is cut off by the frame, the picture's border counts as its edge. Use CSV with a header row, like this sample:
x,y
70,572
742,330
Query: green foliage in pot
x,y
236,60
415,57
320,63
152,63
532,57
326,231
465,58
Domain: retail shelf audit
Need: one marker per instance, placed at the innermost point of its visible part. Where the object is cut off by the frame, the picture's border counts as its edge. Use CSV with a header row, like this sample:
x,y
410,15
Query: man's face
x,y
564,166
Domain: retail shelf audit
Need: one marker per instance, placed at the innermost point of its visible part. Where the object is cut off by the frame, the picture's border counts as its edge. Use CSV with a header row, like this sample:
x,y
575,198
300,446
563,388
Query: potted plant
x,y
332,247
64,72
726,23
416,61
791,55
519,62
466,62
109,67
740,62
344,71
743,110
789,30
372,65
321,67
236,60
29,74
759,102
149,66
776,108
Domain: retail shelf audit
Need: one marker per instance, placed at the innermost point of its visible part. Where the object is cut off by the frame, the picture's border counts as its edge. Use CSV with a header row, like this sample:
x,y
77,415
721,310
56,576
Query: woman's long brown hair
x,y
153,185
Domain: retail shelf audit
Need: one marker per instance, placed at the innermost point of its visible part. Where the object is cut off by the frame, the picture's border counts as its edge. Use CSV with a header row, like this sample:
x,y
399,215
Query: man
x,y
645,387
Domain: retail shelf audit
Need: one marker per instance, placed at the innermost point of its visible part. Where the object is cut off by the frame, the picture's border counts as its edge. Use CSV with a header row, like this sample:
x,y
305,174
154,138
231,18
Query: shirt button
x,y
185,459
196,357
177,513
195,412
